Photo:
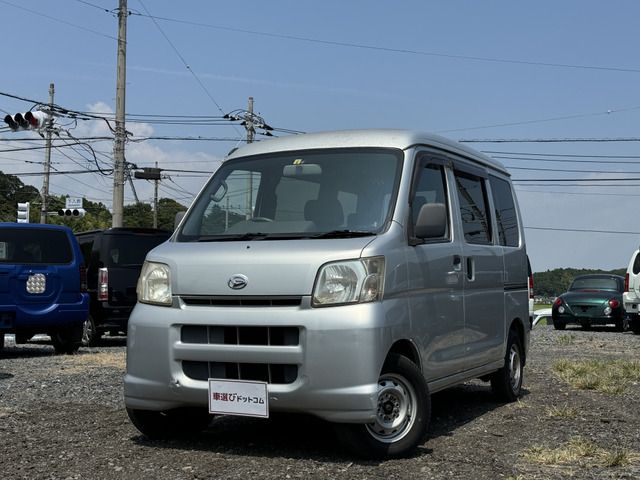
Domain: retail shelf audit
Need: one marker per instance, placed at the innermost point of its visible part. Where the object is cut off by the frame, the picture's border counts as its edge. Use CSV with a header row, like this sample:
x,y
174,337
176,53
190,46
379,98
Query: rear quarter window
x,y
505,211
34,246
636,264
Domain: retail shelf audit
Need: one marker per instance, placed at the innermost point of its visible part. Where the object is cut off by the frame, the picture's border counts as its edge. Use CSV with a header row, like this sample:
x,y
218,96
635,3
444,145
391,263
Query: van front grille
x,y
235,335
241,301
270,373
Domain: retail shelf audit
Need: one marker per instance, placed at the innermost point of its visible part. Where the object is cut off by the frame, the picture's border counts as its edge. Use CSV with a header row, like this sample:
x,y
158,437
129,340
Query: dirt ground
x,y
62,417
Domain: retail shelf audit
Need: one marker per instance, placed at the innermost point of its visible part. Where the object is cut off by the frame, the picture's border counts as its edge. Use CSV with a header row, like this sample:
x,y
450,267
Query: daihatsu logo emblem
x,y
238,281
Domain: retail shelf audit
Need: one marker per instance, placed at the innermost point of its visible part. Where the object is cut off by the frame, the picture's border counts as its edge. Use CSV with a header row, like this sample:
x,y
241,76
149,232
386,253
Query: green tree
x,y
167,209
137,215
13,191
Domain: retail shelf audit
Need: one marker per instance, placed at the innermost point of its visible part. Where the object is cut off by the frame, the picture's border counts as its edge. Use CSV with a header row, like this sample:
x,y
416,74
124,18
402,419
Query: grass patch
x,y
77,363
566,339
606,376
561,412
582,452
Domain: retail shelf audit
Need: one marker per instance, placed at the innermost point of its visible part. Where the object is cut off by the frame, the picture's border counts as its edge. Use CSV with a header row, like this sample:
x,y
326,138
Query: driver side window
x,y
430,188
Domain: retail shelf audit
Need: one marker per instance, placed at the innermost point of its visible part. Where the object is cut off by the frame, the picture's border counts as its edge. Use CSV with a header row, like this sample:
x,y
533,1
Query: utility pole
x,y
155,200
120,134
251,131
47,157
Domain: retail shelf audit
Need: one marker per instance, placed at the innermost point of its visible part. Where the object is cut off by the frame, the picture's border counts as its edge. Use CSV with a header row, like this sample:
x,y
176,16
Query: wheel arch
x,y
408,349
518,326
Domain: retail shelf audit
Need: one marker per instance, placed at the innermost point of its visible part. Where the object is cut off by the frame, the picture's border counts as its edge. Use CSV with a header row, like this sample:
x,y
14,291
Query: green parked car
x,y
591,300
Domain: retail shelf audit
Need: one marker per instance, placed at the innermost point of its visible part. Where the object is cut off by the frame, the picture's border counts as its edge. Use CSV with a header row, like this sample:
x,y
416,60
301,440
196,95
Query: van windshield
x,y
328,193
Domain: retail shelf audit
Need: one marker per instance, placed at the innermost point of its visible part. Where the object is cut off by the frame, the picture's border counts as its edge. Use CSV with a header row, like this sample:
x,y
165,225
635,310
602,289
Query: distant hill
x,y
554,282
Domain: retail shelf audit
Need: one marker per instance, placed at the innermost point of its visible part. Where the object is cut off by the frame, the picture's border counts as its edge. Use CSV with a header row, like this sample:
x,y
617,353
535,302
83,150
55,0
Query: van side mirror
x,y
432,221
178,218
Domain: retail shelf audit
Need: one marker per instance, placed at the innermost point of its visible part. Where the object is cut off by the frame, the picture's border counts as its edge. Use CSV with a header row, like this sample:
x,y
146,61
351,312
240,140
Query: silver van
x,y
347,275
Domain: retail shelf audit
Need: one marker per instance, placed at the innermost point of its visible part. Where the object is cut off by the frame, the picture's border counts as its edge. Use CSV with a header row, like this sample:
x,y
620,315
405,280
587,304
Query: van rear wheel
x,y
402,416
163,425
506,383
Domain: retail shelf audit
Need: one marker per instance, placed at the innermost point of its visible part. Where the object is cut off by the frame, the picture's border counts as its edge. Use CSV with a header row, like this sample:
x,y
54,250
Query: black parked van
x,y
114,258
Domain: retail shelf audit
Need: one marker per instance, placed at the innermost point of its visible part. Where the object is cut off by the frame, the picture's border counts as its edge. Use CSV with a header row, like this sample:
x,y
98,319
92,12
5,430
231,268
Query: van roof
x,y
386,138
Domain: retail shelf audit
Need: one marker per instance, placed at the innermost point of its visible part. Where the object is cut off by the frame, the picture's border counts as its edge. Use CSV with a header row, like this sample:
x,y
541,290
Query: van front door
x,y
483,267
436,278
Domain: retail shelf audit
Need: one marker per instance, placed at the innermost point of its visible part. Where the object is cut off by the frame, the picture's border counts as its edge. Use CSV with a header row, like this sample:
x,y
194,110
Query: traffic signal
x,y
26,121
23,212
72,212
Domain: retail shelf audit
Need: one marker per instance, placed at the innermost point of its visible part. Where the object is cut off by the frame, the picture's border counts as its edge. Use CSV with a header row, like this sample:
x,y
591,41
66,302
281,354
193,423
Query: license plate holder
x,y
244,398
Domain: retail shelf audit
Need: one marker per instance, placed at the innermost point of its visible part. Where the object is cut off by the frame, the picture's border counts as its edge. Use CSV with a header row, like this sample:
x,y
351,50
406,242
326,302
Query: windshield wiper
x,y
228,238
343,234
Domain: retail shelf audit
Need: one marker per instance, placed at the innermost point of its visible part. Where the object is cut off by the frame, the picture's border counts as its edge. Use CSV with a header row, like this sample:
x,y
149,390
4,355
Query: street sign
x,y
73,202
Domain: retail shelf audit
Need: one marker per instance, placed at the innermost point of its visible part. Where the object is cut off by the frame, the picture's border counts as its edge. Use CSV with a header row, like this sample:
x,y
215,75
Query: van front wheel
x,y
402,415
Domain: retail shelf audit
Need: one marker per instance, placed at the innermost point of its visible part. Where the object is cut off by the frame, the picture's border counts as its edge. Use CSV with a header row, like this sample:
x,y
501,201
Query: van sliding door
x,y
483,268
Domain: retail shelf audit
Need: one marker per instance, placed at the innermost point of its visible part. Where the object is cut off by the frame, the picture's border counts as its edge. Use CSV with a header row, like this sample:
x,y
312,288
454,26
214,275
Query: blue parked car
x,y
42,284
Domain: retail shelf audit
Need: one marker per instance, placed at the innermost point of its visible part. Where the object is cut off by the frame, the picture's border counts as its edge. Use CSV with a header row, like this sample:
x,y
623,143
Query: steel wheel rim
x,y
396,409
515,368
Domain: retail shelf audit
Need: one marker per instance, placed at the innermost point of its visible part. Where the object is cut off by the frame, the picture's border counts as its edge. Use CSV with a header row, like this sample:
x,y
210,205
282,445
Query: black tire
x,y
506,383
634,325
622,324
1,341
67,340
403,392
177,423
559,324
90,336
23,338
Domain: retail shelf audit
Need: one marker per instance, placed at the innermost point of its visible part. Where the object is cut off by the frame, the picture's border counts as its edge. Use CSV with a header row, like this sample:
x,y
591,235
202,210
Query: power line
x,y
633,179
388,49
565,170
590,194
551,229
548,140
564,185
559,160
68,172
182,58
59,20
570,155
95,6
552,119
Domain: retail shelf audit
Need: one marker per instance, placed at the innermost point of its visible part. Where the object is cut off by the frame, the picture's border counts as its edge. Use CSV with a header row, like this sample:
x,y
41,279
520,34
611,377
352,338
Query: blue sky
x,y
465,69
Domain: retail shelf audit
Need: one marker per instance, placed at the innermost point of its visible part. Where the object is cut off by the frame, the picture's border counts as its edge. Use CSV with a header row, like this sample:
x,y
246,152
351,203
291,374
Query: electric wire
x,y
59,20
388,49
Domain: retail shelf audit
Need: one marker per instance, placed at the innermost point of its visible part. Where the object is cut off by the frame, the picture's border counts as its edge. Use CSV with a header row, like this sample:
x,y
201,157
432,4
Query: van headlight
x,y
349,281
154,284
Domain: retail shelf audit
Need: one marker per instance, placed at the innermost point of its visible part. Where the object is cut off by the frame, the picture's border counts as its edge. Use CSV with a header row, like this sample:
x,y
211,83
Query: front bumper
x,y
338,356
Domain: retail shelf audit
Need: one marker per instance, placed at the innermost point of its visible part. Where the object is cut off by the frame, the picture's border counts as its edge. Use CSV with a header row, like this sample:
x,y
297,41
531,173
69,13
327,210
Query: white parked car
x,y
631,295
541,314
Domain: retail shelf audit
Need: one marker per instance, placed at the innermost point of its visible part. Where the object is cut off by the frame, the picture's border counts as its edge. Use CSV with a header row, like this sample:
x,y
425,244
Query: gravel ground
x,y
62,417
